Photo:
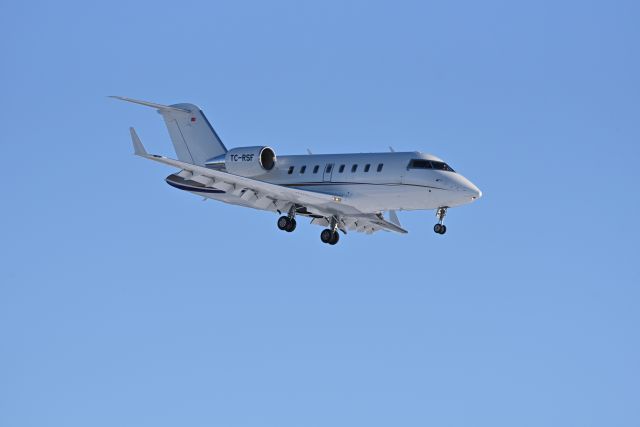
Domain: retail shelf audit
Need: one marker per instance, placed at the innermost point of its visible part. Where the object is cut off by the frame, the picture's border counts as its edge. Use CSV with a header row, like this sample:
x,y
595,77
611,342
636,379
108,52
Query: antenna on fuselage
x,y
309,152
391,149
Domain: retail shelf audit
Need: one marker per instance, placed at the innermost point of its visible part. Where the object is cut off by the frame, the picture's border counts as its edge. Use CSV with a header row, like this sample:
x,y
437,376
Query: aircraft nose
x,y
464,187
475,191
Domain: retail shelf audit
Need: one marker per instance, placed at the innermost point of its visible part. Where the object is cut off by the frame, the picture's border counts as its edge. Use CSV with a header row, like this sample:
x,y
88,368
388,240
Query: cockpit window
x,y
441,166
420,164
429,164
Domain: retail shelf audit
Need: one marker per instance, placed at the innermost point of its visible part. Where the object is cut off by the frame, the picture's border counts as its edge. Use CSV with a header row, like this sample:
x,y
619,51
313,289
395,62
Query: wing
x,y
247,187
264,195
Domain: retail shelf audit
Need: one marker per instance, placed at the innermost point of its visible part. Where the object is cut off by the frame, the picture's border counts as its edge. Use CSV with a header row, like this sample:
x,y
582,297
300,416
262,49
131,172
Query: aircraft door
x,y
328,170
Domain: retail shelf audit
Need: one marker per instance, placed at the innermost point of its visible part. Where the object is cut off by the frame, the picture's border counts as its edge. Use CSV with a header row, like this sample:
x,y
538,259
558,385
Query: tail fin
x,y
193,137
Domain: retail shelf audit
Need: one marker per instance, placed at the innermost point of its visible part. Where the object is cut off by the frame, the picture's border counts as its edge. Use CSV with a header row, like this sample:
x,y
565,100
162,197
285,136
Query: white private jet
x,y
337,191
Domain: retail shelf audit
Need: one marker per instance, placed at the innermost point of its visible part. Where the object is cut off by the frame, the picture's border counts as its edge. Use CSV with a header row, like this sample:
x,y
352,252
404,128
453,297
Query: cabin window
x,y
367,167
327,169
341,169
354,168
290,170
315,169
380,165
303,168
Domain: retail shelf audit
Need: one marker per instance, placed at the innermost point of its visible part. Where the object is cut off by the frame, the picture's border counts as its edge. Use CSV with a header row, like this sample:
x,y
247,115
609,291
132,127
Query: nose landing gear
x,y
440,228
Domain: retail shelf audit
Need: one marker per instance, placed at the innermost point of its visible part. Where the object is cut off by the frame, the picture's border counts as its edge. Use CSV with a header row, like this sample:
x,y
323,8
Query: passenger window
x,y
341,169
303,168
366,167
290,170
315,169
328,168
354,168
380,167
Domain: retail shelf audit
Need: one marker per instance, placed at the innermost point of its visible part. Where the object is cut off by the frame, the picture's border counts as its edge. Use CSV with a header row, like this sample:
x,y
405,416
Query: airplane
x,y
337,191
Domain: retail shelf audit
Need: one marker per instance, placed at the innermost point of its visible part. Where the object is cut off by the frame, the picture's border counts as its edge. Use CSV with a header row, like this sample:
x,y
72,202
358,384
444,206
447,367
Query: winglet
x,y
138,148
393,217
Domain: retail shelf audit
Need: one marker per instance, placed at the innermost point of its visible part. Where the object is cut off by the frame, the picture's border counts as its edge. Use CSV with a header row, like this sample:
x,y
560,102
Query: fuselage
x,y
373,182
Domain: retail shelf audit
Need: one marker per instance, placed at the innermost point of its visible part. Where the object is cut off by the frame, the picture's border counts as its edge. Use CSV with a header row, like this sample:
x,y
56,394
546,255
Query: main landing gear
x,y
330,235
440,228
288,222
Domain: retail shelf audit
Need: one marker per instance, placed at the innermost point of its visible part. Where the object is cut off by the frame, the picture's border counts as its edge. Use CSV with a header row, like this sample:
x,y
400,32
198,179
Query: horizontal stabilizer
x,y
152,104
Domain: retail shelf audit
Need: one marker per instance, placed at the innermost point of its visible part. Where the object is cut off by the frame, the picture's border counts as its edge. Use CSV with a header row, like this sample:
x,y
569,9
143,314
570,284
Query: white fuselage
x,y
373,182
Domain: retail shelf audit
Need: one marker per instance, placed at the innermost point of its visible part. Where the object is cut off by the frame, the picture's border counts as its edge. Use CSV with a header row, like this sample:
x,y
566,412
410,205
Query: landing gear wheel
x,y
440,228
327,236
292,225
334,238
283,223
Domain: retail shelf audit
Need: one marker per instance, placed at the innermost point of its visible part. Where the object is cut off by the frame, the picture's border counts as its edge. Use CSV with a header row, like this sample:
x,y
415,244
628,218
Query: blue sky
x,y
126,302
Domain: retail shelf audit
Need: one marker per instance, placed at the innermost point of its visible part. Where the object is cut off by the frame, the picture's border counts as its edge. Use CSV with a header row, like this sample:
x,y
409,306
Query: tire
x,y
437,228
291,226
326,236
283,223
443,229
334,238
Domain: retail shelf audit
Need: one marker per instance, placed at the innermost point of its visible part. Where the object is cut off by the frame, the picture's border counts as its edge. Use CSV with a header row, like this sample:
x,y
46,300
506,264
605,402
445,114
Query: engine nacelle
x,y
250,161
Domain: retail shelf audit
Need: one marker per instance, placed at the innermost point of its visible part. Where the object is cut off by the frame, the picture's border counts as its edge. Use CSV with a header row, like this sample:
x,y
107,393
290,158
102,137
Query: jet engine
x,y
250,161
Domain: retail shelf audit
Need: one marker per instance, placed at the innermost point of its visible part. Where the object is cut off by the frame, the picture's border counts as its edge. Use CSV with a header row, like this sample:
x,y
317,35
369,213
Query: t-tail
x,y
193,137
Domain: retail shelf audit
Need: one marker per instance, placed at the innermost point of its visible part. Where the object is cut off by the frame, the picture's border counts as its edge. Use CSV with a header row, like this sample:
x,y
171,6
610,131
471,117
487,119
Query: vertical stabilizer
x,y
194,139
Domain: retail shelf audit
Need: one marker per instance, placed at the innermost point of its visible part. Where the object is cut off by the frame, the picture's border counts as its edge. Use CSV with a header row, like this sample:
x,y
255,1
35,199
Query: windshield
x,y
429,164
